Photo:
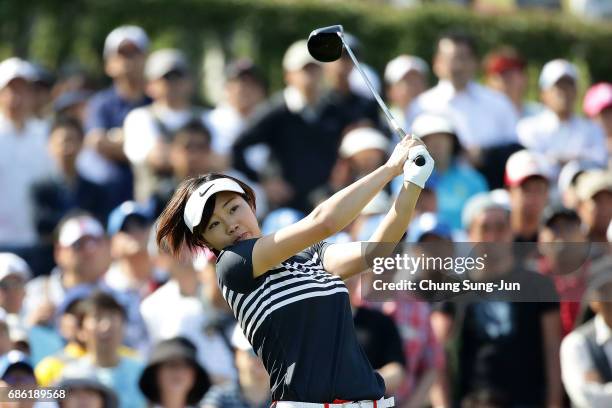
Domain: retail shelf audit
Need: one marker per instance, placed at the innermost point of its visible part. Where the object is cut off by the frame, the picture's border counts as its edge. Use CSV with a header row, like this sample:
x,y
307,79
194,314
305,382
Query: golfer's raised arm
x,y
329,217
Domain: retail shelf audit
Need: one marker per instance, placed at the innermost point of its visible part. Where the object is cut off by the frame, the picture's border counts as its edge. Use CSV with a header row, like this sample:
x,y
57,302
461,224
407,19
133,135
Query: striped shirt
x,y
298,318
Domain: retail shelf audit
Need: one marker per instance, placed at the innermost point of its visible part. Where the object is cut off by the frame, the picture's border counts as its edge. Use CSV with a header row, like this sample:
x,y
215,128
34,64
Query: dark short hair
x,y
194,126
172,231
64,121
459,37
99,301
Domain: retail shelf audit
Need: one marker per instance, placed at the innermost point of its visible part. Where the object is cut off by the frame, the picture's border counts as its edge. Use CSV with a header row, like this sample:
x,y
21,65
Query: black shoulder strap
x,y
163,130
598,355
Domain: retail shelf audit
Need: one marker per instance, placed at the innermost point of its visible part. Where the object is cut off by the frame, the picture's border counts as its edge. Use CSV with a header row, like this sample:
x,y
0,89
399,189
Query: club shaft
x,y
382,104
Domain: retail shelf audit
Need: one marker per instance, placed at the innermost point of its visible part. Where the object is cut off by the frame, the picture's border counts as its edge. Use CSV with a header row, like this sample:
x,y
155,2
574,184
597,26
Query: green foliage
x,y
53,31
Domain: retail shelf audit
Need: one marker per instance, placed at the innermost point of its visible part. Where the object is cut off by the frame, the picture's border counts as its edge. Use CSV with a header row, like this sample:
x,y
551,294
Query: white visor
x,y
197,201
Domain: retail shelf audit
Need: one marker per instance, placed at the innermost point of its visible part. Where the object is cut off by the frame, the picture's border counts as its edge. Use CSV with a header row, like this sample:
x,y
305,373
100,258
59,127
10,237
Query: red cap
x,y
597,98
498,64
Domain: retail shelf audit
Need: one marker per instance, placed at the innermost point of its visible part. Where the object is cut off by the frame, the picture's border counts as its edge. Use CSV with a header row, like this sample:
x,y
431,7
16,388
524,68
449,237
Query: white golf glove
x,y
418,174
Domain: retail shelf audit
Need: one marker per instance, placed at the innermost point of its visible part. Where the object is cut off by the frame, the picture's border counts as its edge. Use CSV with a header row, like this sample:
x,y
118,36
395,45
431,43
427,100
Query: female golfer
x,y
286,288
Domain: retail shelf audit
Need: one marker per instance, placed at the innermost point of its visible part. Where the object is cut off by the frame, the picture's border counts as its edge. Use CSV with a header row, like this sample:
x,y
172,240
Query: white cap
x,y
360,139
11,264
571,170
477,204
524,164
79,227
163,61
428,124
555,70
13,68
197,200
398,67
297,57
127,33
239,340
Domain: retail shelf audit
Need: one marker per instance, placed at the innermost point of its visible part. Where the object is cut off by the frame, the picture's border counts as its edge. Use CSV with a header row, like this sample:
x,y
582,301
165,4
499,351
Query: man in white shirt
x,y
24,159
586,353
485,119
557,132
149,129
406,79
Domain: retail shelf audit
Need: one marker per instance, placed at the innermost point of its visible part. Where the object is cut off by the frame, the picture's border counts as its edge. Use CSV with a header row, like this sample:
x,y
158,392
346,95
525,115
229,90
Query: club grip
x,y
419,160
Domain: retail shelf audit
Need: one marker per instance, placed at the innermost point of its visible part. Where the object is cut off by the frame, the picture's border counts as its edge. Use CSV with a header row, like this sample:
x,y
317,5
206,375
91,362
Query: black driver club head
x,y
324,44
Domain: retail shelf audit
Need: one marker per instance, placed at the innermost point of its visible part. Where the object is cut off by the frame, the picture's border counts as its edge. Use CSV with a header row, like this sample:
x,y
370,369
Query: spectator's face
x,y
41,97
602,302
440,146
65,144
250,368
366,161
307,80
127,62
530,197
560,97
244,93
103,330
233,220
175,86
455,62
605,120
560,242
596,212
176,377
189,155
16,99
132,239
83,398
491,225
512,82
337,72
12,293
407,89
88,258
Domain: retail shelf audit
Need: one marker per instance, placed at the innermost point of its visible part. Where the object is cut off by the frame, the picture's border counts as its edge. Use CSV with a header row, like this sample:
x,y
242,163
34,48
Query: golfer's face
x,y
233,220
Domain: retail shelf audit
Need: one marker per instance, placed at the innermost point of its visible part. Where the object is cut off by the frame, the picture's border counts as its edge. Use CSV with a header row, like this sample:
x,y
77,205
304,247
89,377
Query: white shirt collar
x,y
294,99
448,91
603,334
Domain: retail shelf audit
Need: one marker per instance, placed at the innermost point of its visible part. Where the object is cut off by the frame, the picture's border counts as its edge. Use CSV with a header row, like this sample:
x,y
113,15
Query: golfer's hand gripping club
x,y
418,173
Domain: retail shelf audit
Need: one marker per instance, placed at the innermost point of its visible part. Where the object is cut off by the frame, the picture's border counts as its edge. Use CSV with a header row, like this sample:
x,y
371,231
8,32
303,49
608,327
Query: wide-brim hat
x,y
168,350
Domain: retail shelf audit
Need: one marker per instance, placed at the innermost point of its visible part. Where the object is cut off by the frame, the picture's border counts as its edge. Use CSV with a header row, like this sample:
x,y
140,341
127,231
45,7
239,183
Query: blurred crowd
x,y
89,303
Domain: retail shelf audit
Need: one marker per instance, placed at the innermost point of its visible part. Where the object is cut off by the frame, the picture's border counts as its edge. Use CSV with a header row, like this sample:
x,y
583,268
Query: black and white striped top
x,y
298,318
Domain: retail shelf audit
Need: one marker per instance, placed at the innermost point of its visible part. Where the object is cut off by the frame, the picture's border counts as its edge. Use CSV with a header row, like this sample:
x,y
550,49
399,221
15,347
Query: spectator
x,y
245,90
506,72
188,317
14,273
484,119
132,270
82,255
454,181
592,9
50,370
527,180
85,390
173,377
57,195
103,323
104,161
585,352
353,107
149,129
253,387
188,156
486,333
565,260
16,373
598,106
569,176
6,343
557,132
295,124
594,192
406,79
42,85
72,104
22,140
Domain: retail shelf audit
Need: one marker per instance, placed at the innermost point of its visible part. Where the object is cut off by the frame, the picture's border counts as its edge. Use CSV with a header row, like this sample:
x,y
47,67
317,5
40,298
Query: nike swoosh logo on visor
x,y
203,193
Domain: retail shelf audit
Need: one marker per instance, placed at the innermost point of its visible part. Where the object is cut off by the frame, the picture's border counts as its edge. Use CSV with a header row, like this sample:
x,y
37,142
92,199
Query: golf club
x,y
325,44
